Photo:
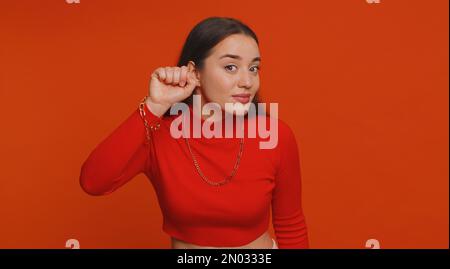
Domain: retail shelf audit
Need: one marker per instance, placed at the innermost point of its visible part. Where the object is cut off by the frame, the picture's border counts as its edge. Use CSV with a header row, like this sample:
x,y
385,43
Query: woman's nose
x,y
245,80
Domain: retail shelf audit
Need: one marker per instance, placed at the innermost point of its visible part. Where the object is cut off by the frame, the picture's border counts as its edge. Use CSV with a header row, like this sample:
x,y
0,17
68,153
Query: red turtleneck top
x,y
230,215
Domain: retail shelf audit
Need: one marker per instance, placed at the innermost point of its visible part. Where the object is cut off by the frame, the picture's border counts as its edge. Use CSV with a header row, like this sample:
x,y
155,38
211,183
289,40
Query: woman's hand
x,y
168,86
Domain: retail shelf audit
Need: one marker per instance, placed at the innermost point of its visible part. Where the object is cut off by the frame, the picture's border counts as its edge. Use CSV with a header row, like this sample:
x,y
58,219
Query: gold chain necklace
x,y
228,178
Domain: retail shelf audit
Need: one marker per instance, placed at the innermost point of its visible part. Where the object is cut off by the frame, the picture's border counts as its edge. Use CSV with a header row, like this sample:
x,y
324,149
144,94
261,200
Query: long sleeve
x,y
287,214
119,157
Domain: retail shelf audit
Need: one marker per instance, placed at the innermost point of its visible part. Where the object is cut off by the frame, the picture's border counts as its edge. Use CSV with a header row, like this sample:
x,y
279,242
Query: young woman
x,y
213,192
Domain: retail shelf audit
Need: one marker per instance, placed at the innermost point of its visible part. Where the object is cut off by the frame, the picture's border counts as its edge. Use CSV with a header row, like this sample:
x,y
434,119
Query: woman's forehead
x,y
239,45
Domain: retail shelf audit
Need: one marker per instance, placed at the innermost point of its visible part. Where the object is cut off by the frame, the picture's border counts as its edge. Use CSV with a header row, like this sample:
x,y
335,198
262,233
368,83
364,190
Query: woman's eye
x,y
255,68
230,67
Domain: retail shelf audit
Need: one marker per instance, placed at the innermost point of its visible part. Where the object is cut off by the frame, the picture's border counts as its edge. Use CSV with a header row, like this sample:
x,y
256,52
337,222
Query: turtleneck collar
x,y
228,126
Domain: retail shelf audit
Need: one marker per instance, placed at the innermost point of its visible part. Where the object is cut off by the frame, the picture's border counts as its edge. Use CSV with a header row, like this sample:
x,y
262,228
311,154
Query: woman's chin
x,y
238,109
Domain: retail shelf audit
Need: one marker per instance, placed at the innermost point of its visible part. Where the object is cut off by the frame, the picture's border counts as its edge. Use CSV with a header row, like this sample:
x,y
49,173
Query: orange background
x,y
363,86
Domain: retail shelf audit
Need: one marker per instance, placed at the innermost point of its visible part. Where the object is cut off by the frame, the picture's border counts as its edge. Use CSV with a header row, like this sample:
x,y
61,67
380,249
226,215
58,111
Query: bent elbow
x,y
90,188
90,184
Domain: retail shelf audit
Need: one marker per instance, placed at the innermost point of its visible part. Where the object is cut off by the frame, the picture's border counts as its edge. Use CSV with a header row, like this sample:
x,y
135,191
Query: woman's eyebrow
x,y
239,57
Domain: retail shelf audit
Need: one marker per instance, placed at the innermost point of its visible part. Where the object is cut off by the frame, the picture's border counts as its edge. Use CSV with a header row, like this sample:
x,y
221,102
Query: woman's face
x,y
231,69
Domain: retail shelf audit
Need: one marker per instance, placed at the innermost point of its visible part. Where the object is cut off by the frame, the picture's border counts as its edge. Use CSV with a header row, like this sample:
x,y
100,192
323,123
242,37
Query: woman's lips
x,y
242,98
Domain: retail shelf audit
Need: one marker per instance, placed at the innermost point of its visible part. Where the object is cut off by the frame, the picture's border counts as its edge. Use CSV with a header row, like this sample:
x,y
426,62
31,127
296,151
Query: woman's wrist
x,y
155,108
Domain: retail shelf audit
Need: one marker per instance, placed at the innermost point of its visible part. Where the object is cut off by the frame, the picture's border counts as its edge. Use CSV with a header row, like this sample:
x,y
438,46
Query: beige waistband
x,y
274,244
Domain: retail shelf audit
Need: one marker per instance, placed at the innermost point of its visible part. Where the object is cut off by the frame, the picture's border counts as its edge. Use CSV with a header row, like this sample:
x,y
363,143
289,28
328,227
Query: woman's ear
x,y
192,68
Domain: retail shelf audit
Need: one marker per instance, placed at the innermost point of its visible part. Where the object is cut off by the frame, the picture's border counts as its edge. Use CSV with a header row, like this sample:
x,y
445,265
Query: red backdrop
x,y
363,86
